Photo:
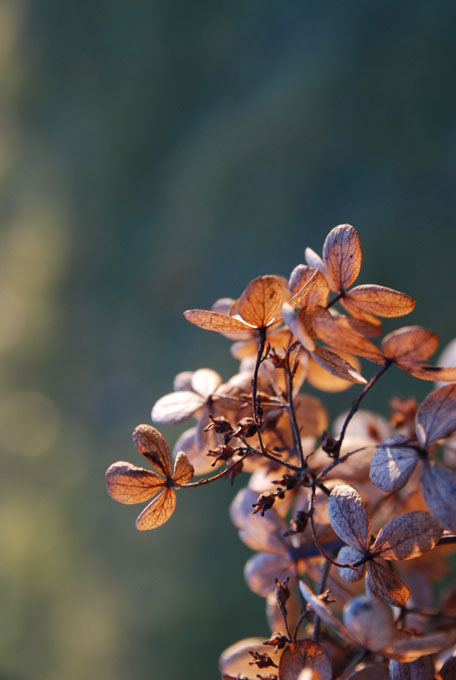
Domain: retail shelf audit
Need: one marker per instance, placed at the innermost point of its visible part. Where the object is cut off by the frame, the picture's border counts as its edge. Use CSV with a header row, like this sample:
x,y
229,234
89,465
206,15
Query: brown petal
x,y
326,615
153,446
348,555
370,620
421,669
380,300
235,660
262,569
199,461
260,303
448,670
333,363
348,517
314,260
365,328
303,654
386,584
436,416
358,313
176,407
408,646
158,512
183,469
439,490
342,256
413,343
393,463
129,484
321,379
337,332
205,381
257,532
407,536
297,327
425,372
214,321
311,415
313,291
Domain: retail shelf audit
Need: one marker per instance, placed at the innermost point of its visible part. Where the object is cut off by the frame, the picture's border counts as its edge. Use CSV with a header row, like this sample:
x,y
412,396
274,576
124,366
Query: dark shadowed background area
x,y
155,156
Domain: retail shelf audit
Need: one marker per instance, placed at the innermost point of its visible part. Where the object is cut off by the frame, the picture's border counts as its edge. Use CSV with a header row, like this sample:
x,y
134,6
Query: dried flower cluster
x,y
351,525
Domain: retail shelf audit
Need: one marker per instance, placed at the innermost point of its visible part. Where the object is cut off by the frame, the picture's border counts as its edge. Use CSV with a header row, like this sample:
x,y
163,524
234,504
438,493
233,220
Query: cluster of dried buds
x,y
324,506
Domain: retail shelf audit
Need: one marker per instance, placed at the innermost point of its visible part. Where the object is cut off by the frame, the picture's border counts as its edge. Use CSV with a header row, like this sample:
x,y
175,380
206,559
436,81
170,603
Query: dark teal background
x,y
155,156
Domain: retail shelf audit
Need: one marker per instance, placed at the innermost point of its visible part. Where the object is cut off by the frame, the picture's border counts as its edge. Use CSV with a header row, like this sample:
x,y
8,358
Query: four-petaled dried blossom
x,y
129,484
403,538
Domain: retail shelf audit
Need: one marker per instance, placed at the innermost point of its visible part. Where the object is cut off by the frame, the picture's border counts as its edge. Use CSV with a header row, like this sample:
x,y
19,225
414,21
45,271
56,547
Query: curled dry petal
x,y
408,646
407,536
338,333
413,343
386,584
187,443
349,555
297,327
235,660
370,620
326,615
301,655
393,463
333,363
262,569
313,290
342,256
260,303
214,321
176,407
425,372
314,260
348,517
380,301
129,484
421,669
183,469
439,490
158,511
153,446
321,379
436,416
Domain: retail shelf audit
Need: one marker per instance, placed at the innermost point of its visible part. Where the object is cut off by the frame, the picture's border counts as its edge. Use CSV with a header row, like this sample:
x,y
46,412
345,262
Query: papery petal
x,y
313,290
129,484
311,415
199,461
205,382
439,490
412,343
260,303
393,463
436,416
425,372
301,655
183,469
262,569
151,444
183,381
176,407
408,646
321,379
359,313
370,620
297,327
326,615
333,363
158,512
349,555
348,517
337,332
380,300
386,584
214,321
407,536
342,256
235,660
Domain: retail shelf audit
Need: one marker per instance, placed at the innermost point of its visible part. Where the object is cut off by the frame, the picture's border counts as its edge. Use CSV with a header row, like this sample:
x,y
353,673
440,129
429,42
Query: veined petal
x,y
214,321
436,416
348,517
333,363
321,379
439,490
393,463
380,300
386,584
183,469
313,290
151,444
301,655
407,536
205,381
425,372
158,512
129,484
412,343
261,302
342,256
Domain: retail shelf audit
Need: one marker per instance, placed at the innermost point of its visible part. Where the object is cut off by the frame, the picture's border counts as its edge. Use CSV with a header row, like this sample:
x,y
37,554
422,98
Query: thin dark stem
x,y
292,414
208,480
332,302
304,615
321,590
356,404
258,420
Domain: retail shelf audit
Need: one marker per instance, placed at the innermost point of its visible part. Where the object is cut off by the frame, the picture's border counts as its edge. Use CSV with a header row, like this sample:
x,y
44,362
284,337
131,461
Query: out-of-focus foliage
x,y
154,157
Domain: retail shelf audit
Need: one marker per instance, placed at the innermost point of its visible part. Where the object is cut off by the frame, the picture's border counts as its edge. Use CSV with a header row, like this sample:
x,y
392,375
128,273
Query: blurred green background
x,y
155,156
